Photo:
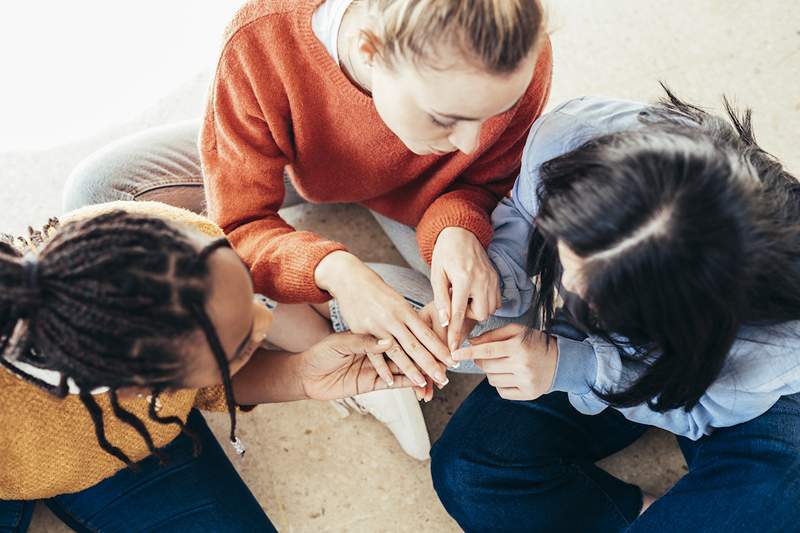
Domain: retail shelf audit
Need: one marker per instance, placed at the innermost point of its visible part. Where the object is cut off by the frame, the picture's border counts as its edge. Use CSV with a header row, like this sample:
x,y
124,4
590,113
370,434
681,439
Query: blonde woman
x,y
416,109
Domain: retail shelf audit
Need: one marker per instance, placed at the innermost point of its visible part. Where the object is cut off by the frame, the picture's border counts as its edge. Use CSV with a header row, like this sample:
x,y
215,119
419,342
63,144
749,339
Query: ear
x,y
370,45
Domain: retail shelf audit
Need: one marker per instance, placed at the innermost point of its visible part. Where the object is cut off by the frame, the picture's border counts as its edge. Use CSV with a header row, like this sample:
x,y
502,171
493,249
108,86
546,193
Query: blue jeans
x,y
529,466
203,493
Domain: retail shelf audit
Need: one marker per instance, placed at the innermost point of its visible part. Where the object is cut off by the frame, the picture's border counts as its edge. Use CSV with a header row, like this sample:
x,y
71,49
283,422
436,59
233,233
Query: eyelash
x,y
441,124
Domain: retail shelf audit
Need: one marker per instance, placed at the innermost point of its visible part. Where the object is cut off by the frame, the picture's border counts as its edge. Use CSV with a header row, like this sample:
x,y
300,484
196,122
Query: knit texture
x,y
48,445
279,101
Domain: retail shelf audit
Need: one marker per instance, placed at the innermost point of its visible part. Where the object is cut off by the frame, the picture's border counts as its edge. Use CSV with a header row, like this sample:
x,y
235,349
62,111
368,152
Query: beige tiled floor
x,y
314,472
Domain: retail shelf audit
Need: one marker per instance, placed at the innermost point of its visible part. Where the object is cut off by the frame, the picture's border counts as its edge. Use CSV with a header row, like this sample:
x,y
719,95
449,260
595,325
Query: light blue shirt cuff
x,y
576,369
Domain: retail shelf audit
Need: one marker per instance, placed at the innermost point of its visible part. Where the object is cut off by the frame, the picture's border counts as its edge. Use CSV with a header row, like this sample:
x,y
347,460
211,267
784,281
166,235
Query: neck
x,y
351,59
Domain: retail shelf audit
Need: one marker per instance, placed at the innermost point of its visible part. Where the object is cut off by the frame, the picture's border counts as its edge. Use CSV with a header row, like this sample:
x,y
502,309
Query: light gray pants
x,y
163,164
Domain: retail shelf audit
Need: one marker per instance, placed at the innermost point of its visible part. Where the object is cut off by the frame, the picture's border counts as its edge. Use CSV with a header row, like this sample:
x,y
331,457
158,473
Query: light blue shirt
x,y
763,364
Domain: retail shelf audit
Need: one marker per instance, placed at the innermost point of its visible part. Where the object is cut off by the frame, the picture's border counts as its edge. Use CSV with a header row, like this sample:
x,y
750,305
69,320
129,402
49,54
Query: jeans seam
x,y
163,184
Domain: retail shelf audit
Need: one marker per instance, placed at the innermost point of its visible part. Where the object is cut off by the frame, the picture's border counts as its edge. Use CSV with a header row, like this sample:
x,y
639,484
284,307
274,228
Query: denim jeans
x,y
530,466
203,493
163,164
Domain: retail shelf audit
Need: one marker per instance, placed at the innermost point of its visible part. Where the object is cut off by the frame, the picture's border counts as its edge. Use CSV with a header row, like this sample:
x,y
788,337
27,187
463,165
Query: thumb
x,y
500,334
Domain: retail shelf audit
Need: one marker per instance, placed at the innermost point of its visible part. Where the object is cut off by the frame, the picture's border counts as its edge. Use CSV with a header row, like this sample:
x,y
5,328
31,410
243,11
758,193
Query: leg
x,y
15,516
741,478
161,164
404,239
203,493
502,465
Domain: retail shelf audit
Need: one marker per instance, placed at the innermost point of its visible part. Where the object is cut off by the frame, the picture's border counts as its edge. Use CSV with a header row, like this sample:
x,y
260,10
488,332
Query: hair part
x,y
495,35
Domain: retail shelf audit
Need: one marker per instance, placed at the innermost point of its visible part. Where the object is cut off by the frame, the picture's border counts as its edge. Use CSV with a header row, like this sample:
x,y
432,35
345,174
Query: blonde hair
x,y
495,34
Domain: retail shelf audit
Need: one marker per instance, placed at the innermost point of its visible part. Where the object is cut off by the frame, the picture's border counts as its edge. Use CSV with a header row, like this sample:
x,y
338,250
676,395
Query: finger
x,y
430,340
490,350
500,334
369,381
458,311
441,298
378,361
510,393
401,359
429,391
479,307
502,380
357,344
504,365
422,357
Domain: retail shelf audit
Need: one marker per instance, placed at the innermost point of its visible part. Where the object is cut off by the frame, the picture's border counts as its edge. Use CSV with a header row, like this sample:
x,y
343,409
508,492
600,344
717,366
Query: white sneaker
x,y
399,410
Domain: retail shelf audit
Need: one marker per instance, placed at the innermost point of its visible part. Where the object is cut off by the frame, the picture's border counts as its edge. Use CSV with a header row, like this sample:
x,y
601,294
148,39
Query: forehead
x,y
460,88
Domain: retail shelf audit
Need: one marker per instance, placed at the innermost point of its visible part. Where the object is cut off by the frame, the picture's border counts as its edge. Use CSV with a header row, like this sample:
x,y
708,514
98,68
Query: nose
x,y
465,136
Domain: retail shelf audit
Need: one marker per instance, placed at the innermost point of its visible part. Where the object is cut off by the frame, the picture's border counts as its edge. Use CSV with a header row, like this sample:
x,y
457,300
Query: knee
x,y
452,475
97,179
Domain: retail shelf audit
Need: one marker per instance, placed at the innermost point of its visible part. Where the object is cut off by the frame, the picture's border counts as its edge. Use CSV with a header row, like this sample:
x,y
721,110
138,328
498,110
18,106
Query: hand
x,y
429,315
519,368
461,267
338,367
370,306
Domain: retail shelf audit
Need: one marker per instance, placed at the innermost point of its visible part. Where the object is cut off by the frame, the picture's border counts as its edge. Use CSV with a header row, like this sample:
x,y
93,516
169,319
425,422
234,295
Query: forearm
x,y
297,327
269,377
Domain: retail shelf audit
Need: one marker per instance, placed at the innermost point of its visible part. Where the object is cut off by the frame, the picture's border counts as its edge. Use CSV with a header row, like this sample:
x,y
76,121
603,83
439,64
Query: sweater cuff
x,y
303,287
576,369
456,214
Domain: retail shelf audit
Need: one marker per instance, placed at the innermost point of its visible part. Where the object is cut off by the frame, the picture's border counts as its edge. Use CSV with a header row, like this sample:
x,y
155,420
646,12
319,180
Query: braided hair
x,y
108,302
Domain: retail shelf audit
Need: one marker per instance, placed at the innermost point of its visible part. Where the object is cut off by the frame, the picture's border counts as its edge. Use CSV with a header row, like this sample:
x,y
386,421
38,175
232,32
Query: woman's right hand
x,y
370,306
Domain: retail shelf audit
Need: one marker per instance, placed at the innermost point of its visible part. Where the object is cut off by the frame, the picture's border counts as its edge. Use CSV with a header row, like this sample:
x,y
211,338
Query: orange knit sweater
x,y
279,101
48,445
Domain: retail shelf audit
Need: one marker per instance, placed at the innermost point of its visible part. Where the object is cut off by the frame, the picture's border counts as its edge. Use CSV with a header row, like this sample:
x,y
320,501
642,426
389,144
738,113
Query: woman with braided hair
x,y
120,323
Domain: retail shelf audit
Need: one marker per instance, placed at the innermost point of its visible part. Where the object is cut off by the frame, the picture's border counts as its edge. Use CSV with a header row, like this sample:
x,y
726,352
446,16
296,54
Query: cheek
x,y
401,115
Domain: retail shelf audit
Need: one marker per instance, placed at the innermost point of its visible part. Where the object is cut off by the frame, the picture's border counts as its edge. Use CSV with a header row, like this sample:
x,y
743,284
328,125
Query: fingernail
x,y
384,342
443,319
456,365
420,382
389,381
442,380
453,346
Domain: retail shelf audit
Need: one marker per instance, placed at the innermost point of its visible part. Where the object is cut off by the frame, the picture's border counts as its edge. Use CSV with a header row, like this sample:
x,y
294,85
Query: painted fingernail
x,y
389,381
442,380
420,382
384,342
456,365
443,318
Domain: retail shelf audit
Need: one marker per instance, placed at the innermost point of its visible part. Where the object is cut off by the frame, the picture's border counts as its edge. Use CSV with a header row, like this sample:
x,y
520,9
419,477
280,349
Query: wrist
x,y
333,268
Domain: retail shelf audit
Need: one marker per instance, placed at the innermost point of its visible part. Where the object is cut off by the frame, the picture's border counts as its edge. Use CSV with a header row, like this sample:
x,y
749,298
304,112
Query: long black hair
x,y
108,301
687,230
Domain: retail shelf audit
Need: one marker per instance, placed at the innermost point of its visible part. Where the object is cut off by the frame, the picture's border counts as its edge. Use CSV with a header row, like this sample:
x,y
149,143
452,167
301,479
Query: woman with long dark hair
x,y
664,244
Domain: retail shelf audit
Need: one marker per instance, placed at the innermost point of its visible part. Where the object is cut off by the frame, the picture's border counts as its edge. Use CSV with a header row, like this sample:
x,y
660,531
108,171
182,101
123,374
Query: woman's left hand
x,y
465,283
519,368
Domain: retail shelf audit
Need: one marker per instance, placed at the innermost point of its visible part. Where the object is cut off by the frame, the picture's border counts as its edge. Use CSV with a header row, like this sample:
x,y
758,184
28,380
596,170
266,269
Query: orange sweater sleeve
x,y
469,201
245,145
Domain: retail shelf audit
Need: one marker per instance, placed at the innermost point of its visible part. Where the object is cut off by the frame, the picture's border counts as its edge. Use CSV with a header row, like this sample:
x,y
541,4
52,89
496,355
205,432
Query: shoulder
x,y
764,359
575,122
154,209
259,11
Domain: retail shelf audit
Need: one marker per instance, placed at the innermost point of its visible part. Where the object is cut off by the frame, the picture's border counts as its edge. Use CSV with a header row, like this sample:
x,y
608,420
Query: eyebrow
x,y
471,119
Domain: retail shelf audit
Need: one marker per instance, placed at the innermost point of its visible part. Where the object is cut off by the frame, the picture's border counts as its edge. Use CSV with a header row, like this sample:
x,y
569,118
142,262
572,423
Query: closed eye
x,y
448,124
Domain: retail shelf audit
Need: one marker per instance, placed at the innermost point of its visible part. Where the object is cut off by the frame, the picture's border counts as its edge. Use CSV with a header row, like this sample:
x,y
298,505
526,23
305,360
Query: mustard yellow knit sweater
x,y
48,445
